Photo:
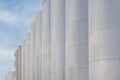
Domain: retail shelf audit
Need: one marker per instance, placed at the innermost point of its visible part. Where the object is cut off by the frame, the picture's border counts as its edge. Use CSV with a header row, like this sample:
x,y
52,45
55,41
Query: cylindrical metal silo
x,y
77,39
46,39
38,45
23,60
17,63
28,56
104,39
32,51
58,39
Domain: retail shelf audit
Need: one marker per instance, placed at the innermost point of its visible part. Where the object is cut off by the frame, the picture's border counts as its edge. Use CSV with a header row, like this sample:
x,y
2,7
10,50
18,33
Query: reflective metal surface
x,y
28,56
17,63
104,39
58,39
38,45
24,60
46,39
77,40
32,51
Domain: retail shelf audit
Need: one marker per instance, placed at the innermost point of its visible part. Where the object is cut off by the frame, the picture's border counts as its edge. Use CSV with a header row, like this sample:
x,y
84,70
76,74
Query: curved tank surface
x,y
32,51
58,39
104,39
28,56
77,40
46,39
38,45
24,60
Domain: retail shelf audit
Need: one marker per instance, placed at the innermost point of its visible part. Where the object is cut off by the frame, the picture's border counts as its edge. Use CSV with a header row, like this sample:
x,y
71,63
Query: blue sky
x,y
15,19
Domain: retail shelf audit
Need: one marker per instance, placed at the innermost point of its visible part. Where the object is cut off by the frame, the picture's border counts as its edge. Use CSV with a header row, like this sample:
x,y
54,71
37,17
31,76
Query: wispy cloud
x,y
6,61
15,19
8,17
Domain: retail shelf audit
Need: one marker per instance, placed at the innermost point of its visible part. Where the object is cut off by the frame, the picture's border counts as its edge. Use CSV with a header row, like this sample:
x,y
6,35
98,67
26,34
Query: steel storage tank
x,y
77,39
58,39
46,39
17,63
38,45
32,51
28,56
24,60
104,39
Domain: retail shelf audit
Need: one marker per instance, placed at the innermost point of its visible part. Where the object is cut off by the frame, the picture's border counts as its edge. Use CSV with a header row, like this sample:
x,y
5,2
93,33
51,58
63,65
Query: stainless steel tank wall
x,y
104,39
58,39
28,56
46,39
38,45
24,60
32,51
77,40
20,62
17,63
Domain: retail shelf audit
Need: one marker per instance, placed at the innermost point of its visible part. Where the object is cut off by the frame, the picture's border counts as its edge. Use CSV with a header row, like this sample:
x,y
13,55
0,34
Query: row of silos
x,y
22,57
100,46
64,40
75,40
58,40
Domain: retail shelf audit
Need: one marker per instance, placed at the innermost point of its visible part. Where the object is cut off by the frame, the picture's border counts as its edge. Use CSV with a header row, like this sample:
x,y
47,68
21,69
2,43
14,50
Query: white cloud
x,y
6,61
6,57
16,20
6,52
8,17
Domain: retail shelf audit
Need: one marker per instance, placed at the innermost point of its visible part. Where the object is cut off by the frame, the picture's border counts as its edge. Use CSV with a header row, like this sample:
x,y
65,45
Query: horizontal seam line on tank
x,y
105,60
115,46
80,43
102,28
